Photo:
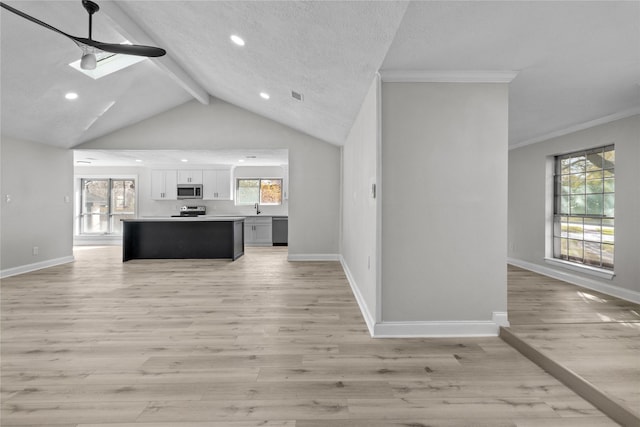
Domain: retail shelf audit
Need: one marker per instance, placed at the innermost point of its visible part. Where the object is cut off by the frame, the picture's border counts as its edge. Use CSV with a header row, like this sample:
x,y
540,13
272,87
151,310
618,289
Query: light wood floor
x,y
256,342
592,334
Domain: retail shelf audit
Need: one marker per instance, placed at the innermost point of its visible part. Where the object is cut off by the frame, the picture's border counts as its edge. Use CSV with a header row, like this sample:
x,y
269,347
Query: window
x,y
583,229
264,191
104,202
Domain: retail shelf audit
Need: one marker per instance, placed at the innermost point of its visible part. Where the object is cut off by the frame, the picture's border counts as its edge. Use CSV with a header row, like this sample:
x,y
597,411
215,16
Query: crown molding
x,y
575,128
425,76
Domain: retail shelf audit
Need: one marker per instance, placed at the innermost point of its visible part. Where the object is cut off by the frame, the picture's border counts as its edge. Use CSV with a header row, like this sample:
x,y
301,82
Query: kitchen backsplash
x,y
214,207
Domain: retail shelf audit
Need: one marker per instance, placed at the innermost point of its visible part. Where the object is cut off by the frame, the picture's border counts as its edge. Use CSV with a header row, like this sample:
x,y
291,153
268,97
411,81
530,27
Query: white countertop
x,y
204,218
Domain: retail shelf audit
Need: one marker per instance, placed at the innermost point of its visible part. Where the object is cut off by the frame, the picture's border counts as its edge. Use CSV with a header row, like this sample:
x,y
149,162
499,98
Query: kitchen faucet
x,y
257,206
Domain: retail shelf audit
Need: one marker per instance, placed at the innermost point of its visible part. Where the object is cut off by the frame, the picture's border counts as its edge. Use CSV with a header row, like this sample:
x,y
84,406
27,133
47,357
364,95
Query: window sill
x,y
593,271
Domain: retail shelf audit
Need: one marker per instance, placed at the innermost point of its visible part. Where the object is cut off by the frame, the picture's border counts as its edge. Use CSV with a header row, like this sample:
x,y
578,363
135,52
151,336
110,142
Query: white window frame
x,y
237,186
550,224
78,207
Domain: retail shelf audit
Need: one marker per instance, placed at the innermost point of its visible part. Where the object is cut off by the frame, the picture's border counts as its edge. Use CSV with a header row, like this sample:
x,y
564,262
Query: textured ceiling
x,y
158,158
577,60
36,75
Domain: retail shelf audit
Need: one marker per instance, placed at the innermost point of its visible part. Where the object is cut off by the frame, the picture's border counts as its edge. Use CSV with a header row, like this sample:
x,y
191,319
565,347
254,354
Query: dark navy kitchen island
x,y
183,238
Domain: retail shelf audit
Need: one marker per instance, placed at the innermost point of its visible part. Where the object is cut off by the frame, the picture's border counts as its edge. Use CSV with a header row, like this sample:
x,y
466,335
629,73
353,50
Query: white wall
x,y
444,205
359,212
314,165
527,198
38,178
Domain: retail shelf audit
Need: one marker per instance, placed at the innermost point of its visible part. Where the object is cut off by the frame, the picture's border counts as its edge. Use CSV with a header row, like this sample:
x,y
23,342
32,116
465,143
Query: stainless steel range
x,y
192,211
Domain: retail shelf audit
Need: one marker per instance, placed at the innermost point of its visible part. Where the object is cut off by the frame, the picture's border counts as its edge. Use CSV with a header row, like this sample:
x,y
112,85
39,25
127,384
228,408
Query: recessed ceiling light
x,y
138,160
237,40
264,95
241,160
184,160
71,96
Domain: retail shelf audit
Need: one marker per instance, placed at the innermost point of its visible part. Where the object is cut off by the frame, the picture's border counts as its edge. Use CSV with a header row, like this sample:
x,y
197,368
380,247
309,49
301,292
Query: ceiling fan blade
x,y
32,19
124,49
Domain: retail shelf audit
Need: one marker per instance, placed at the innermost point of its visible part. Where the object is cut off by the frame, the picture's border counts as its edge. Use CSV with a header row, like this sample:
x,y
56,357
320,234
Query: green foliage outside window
x,y
259,190
584,209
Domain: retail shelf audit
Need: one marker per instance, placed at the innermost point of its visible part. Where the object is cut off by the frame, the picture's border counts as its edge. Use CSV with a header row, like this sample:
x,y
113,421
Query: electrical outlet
x,y
36,250
7,198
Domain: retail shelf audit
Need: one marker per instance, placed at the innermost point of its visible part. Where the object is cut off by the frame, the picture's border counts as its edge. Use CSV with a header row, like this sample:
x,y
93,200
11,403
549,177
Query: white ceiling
x,y
577,61
171,158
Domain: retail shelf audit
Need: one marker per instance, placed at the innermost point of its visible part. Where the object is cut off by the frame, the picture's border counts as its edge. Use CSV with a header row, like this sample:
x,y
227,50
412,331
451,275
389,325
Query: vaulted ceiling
x,y
577,61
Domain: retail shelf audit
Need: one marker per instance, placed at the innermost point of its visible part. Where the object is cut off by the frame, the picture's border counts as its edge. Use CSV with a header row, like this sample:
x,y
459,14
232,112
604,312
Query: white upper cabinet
x,y
164,185
216,184
189,177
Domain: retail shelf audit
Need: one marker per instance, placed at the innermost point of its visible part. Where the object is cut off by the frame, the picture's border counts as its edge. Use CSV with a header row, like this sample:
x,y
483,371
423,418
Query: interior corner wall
x,y
37,205
314,165
444,206
359,212
528,196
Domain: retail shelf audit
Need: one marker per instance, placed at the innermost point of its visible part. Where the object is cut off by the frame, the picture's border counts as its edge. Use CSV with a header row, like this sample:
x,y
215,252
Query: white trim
x,y
476,328
453,76
313,257
593,271
85,240
481,328
574,279
369,320
379,197
501,318
576,128
14,271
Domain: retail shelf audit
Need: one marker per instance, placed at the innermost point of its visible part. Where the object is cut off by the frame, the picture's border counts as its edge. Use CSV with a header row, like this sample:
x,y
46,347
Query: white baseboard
x,y
437,329
14,271
501,318
420,329
574,279
313,257
97,242
364,309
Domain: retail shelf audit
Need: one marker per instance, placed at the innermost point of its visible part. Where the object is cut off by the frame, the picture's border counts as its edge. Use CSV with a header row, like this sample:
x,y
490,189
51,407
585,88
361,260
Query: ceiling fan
x,y
89,46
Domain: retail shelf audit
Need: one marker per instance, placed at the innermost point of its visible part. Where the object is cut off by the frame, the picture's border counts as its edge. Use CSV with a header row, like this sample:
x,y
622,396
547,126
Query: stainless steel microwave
x,y
189,191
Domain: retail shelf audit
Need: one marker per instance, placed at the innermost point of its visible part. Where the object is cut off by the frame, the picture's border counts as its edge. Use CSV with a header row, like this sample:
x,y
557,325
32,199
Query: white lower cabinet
x,y
257,231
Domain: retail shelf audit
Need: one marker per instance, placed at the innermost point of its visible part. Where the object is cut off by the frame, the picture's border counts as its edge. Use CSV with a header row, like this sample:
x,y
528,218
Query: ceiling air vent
x,y
296,95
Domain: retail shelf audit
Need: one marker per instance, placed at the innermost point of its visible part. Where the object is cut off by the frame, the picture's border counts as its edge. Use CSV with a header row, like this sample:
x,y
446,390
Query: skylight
x,y
108,63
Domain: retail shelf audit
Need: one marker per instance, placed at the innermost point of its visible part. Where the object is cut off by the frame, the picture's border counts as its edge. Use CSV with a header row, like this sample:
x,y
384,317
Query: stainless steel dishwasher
x,y
280,230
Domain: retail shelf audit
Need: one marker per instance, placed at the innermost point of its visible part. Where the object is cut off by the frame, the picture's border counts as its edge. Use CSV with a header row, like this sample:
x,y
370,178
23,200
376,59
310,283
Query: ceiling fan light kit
x,y
90,46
